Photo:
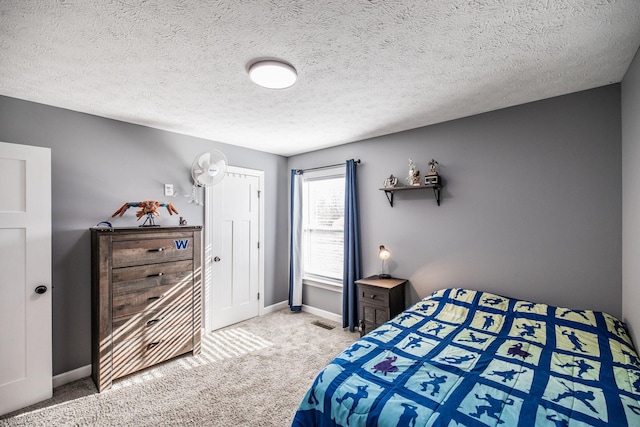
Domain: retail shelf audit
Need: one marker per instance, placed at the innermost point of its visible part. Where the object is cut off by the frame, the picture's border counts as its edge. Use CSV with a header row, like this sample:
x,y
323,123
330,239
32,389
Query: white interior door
x,y
233,255
25,264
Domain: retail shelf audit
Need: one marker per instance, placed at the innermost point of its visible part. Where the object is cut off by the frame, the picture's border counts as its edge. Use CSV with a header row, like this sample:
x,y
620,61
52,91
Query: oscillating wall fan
x,y
207,169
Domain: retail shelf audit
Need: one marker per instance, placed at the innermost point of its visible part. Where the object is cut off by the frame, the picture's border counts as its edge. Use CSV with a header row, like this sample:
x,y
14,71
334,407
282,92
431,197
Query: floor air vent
x,y
322,325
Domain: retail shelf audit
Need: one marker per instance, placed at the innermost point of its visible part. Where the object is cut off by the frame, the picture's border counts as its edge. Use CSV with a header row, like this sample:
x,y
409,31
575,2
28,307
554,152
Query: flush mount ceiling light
x,y
273,74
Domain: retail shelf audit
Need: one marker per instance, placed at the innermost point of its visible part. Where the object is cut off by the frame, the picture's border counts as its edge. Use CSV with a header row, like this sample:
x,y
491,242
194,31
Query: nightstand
x,y
380,300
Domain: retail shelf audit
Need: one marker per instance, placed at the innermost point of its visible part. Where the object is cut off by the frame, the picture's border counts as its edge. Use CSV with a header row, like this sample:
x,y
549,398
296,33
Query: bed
x,y
468,358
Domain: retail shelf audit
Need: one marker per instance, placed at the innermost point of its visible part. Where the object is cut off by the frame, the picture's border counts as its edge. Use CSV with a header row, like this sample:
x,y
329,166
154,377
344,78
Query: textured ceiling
x,y
366,68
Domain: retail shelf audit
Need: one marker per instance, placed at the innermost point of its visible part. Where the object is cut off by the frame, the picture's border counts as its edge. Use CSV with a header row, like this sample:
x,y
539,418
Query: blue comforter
x,y
467,358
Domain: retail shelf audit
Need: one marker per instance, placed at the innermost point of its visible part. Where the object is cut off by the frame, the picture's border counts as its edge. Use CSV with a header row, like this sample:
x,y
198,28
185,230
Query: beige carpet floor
x,y
254,373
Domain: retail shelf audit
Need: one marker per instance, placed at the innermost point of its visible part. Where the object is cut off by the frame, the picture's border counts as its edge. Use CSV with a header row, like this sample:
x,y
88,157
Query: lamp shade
x,y
273,74
384,253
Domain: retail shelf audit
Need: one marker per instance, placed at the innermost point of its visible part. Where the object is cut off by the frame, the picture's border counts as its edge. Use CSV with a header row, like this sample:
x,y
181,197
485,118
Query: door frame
x,y
208,232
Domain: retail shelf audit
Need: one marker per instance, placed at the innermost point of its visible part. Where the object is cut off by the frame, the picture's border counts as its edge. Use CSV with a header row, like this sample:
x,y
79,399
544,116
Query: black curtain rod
x,y
327,166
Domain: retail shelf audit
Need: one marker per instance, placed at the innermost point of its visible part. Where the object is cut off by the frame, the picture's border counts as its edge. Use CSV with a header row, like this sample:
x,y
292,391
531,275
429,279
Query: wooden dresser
x,y
146,298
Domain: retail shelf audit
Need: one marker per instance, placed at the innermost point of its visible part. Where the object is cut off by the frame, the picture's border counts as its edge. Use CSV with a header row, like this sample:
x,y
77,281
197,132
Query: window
x,y
323,225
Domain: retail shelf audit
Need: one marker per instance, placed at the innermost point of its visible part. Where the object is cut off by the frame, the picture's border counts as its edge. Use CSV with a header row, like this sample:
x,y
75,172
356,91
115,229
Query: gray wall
x,y
97,165
631,198
531,206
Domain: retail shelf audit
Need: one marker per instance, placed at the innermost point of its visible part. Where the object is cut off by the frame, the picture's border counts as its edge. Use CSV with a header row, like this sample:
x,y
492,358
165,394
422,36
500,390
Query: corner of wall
x,y
630,111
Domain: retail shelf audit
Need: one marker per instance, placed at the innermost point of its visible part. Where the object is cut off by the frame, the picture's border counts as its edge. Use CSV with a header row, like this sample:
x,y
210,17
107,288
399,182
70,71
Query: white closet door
x,y
25,276
234,252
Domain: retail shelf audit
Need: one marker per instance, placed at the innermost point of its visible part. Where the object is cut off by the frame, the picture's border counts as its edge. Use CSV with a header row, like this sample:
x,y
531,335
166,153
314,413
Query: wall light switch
x,y
168,190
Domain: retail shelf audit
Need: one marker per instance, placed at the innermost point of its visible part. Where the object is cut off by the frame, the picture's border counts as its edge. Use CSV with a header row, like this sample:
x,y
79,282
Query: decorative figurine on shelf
x,y
433,166
414,175
432,177
148,208
392,181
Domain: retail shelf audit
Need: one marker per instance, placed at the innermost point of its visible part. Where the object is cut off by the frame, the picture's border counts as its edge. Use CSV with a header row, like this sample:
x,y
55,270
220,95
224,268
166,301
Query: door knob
x,y
216,259
41,289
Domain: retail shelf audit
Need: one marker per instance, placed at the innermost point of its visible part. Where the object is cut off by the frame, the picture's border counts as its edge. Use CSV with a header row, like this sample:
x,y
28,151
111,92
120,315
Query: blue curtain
x,y
352,258
295,243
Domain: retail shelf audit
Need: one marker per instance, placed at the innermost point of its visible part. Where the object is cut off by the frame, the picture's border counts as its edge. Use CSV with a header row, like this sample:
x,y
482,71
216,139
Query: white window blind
x,y
323,225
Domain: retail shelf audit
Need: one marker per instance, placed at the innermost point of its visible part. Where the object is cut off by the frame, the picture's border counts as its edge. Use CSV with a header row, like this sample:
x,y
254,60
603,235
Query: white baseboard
x,y
322,313
70,376
318,312
274,307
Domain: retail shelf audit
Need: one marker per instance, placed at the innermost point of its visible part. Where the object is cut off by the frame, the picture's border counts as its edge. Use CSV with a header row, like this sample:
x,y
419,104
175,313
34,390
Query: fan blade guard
x,y
209,168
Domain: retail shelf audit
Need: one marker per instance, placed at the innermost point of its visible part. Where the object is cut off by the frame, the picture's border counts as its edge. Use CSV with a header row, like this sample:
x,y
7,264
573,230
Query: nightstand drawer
x,y
374,295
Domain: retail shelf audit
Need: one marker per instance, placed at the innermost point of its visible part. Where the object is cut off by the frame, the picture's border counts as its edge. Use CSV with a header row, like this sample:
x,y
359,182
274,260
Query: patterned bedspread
x,y
467,358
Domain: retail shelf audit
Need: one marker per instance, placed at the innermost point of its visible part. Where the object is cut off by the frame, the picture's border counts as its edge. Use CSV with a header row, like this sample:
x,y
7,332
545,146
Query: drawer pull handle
x,y
373,297
153,321
155,275
155,298
156,250
153,344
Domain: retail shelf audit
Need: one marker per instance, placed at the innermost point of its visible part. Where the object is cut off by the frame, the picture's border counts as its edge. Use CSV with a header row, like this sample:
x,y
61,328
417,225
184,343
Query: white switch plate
x,y
168,190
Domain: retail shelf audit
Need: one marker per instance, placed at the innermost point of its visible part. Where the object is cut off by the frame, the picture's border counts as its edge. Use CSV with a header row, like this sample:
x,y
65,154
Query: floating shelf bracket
x,y
436,192
389,195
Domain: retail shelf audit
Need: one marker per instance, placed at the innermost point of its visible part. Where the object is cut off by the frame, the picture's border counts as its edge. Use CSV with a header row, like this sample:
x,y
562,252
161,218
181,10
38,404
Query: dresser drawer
x,y
124,277
147,251
140,352
147,322
371,295
150,293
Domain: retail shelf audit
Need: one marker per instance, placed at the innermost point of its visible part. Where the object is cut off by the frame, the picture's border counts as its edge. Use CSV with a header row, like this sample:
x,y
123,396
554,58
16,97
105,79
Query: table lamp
x,y
383,254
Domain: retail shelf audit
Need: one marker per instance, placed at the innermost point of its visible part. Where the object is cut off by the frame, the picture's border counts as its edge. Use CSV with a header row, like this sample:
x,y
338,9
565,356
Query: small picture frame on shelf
x,y
432,180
